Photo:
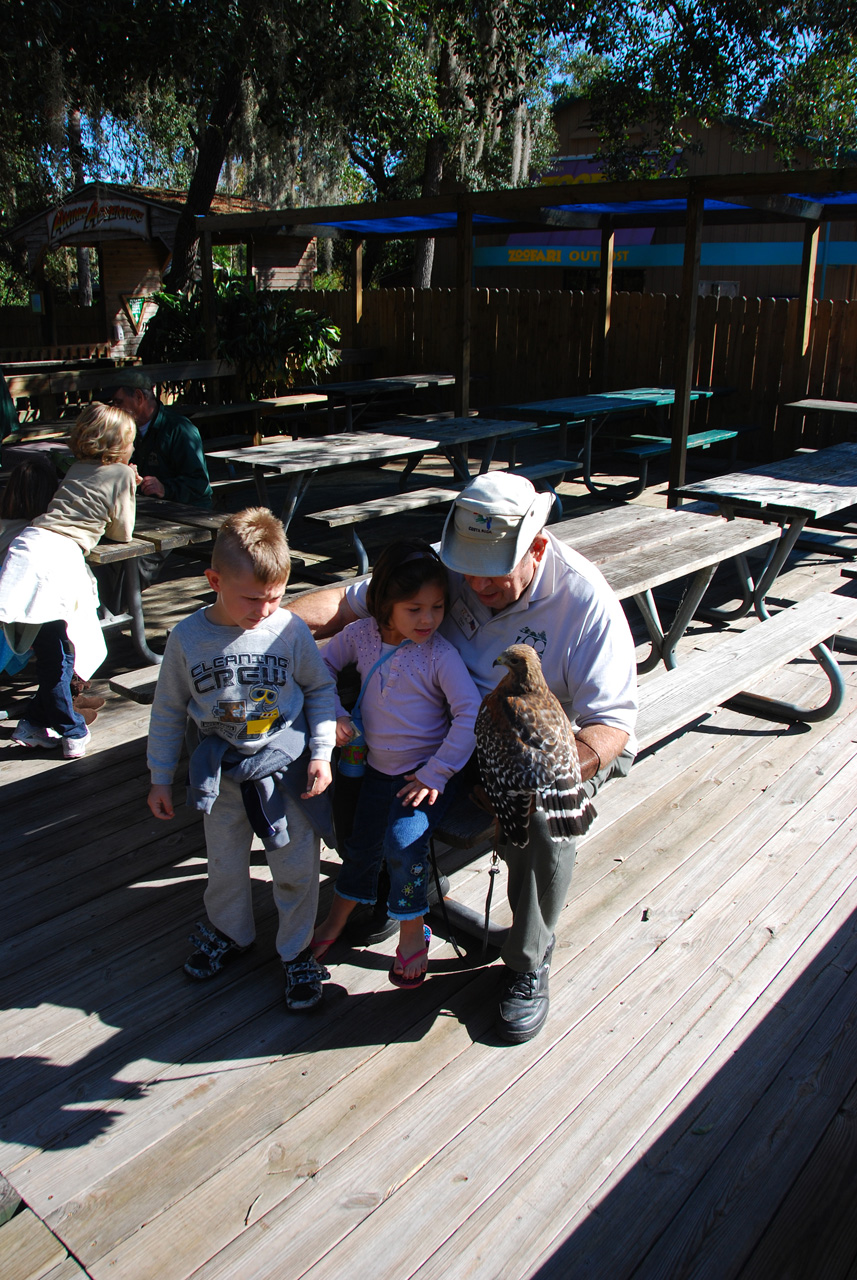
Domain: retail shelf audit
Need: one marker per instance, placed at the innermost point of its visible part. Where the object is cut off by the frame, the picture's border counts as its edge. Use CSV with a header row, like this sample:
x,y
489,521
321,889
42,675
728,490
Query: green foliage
x,y
271,341
788,70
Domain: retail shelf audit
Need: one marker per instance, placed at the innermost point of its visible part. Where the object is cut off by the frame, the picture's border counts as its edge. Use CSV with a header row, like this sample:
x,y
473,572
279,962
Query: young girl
x,y
48,599
417,707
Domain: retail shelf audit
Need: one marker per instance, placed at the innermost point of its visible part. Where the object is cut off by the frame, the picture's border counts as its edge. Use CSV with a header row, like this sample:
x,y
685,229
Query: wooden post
x,y
209,304
357,291
605,298
464,281
800,384
686,342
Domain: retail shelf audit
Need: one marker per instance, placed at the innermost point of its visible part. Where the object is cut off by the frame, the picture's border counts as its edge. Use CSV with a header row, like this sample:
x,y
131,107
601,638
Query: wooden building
x,y
749,261
132,231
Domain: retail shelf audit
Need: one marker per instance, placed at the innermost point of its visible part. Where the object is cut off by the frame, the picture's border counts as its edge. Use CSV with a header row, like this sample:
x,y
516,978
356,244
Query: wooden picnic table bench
x,y
159,526
358,513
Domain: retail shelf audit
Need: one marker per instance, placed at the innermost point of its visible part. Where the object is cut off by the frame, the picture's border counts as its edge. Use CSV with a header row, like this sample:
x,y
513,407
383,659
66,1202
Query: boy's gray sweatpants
x,y
294,871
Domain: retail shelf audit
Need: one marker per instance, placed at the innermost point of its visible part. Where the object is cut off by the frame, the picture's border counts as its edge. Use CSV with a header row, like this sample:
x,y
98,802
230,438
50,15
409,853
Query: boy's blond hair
x,y
253,539
102,433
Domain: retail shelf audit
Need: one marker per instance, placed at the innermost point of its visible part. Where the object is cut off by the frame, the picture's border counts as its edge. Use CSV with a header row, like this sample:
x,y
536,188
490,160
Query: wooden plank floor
x,y
688,1110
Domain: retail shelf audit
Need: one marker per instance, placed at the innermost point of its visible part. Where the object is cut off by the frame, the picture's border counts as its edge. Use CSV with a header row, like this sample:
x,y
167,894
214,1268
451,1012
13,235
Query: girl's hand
x,y
160,801
318,778
137,476
415,792
344,730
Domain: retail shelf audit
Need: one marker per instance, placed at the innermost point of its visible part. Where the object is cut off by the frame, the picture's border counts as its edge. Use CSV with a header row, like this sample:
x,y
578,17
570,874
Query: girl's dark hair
x,y
29,490
402,569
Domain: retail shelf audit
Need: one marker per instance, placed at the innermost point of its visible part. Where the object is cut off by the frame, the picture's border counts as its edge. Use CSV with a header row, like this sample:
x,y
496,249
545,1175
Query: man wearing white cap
x,y
512,582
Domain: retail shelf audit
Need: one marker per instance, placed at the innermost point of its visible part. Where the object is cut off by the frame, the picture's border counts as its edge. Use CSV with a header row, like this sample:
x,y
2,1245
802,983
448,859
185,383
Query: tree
x,y
788,71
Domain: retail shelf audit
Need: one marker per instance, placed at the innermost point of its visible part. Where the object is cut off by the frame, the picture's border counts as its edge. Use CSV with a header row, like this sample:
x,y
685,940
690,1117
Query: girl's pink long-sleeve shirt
x,y
419,708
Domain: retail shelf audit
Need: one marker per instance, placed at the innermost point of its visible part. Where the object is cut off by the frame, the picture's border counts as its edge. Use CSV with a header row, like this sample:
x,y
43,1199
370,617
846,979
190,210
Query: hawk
x,y
527,752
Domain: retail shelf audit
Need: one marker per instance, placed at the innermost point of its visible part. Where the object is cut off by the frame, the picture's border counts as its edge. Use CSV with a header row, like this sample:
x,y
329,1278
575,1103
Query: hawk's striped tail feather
x,y
569,813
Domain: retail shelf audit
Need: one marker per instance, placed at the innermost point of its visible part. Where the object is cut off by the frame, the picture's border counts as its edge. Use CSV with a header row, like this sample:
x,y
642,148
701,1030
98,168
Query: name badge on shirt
x,y
464,619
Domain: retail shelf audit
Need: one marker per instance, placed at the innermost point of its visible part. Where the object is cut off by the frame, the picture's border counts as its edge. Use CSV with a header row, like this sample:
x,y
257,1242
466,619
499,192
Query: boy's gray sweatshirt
x,y
244,686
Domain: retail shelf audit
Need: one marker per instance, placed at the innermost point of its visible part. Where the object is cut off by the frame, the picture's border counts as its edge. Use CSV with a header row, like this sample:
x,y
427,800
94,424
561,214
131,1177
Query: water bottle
x,y
352,757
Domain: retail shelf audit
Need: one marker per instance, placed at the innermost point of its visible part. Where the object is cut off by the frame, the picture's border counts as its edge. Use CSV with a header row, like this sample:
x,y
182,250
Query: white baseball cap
x,y
491,525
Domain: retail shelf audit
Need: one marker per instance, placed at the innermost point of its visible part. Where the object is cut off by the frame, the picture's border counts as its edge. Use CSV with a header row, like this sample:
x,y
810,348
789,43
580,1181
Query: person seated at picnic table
x,y
168,448
513,582
169,457
48,598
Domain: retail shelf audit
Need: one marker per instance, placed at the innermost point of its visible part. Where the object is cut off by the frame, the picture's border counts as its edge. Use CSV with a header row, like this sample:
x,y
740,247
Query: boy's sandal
x,y
397,979
213,949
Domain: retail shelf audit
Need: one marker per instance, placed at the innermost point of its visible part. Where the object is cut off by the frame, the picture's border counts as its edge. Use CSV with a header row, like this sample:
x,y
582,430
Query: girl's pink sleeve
x,y
459,744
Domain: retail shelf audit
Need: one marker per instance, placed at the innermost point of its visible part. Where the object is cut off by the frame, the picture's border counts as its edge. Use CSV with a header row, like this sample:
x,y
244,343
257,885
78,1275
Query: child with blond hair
x,y
248,677
48,596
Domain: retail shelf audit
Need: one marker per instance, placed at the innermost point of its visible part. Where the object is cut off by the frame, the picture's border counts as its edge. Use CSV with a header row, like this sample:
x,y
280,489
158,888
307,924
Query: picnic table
x,y
300,460
641,548
805,487
453,436
371,389
203,415
823,406
592,412
159,526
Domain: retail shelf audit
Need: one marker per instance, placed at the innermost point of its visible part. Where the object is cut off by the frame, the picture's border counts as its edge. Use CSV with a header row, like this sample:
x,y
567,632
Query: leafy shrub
x,y
271,341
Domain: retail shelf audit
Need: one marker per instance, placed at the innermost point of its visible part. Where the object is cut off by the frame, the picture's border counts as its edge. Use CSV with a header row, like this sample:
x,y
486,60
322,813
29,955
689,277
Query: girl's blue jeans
x,y
385,830
51,706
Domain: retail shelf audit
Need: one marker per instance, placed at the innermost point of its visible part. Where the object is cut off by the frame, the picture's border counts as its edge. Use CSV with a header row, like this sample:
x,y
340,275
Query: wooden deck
x,y
688,1110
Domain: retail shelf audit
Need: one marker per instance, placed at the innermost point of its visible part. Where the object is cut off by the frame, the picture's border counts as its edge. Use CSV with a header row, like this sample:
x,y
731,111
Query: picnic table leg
x,y
411,464
490,443
782,549
664,645
617,491
774,709
298,485
362,557
133,601
754,594
261,486
456,456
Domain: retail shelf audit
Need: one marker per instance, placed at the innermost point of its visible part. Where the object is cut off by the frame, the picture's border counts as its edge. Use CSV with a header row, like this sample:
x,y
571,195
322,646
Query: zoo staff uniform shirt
x,y
573,620
241,685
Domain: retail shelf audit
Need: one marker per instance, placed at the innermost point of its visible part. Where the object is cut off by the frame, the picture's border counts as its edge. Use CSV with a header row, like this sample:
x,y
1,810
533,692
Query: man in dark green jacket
x,y
168,449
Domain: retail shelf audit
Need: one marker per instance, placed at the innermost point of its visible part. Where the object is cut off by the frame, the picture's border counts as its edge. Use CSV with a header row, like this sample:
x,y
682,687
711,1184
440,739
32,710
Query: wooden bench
x,y
642,448
555,468
413,500
373,508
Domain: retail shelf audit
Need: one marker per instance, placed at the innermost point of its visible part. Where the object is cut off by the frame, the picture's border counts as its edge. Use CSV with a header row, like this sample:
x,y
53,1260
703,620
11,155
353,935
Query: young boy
x,y
262,716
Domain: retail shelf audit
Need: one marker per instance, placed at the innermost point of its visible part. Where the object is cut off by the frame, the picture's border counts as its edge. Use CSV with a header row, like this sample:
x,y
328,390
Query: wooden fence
x,y
528,344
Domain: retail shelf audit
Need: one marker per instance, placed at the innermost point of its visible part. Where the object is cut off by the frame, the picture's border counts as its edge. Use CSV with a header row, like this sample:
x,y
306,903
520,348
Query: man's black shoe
x,y
524,1002
367,928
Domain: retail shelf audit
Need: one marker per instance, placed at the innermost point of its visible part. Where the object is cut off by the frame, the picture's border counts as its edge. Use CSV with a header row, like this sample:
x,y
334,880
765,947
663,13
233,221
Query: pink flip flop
x,y
323,945
409,983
